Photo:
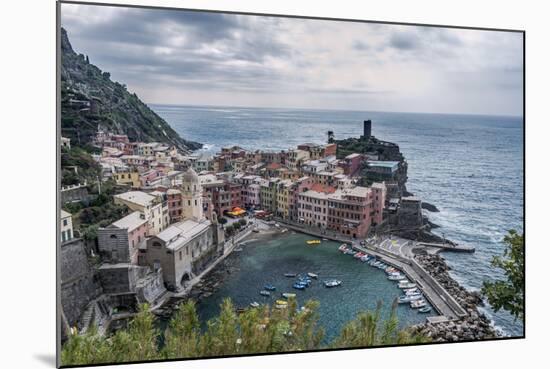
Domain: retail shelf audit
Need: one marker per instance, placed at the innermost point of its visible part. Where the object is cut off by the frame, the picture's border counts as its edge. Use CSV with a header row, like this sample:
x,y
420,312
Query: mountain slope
x,y
89,98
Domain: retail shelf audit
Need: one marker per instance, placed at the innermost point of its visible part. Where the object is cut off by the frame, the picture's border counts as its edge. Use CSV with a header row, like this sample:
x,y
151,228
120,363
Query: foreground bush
x,y
257,330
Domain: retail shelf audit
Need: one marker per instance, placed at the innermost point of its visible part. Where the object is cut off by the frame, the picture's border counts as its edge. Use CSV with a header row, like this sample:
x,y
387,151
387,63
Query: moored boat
x,y
299,286
313,242
288,295
405,299
312,275
332,283
290,275
254,304
265,293
281,302
396,277
418,304
425,309
269,287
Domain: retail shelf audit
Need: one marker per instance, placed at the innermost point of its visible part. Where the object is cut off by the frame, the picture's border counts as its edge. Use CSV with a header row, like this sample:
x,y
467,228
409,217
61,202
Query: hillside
x,y
89,98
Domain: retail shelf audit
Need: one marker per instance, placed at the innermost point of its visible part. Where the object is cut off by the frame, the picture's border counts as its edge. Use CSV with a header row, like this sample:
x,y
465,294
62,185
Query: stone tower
x,y
191,191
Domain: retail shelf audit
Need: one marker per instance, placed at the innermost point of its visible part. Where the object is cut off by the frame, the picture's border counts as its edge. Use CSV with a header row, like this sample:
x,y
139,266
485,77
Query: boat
x,y
349,252
406,285
255,230
358,255
269,287
405,299
279,306
288,295
425,309
313,242
332,283
265,293
418,304
312,275
254,304
299,286
343,247
281,302
414,289
396,277
412,293
290,275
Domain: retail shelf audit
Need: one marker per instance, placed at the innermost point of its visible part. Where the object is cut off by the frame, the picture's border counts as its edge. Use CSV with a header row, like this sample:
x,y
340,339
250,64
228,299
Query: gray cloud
x,y
169,56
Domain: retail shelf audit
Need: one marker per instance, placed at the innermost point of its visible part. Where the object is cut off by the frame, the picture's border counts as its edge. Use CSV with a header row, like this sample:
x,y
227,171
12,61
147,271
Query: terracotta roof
x,y
317,187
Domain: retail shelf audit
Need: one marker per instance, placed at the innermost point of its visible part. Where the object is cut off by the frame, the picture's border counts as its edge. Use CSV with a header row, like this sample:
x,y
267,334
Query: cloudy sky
x,y
182,57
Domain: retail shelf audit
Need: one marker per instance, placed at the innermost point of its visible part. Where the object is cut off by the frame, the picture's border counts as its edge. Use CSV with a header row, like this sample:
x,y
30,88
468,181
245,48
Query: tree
x,y
508,294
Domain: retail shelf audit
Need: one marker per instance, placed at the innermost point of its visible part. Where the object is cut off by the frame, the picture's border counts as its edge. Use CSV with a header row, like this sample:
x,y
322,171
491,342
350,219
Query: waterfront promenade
x,y
398,253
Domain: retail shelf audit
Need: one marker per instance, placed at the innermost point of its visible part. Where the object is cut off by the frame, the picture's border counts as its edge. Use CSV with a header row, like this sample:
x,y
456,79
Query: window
x,y
180,255
65,222
68,234
63,239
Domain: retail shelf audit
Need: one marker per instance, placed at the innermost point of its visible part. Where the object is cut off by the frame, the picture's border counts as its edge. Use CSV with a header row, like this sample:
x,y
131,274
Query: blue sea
x,y
469,166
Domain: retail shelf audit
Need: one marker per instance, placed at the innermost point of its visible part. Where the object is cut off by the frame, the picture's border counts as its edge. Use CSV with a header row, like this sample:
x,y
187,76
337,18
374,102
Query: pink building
x,y
175,208
351,164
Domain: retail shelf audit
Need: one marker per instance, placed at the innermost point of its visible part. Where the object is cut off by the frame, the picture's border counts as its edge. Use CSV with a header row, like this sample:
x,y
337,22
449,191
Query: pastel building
x,y
153,207
66,226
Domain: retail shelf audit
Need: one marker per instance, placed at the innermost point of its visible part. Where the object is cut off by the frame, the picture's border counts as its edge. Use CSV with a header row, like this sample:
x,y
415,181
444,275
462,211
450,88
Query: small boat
x,y
281,302
288,295
269,287
343,247
290,275
349,252
412,293
254,304
313,242
406,285
265,293
396,277
279,306
425,309
299,286
325,239
312,275
418,304
332,283
405,299
358,255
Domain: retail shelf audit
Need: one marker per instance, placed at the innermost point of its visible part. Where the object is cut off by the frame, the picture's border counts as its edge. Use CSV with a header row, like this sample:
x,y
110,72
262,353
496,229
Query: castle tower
x,y
367,127
191,191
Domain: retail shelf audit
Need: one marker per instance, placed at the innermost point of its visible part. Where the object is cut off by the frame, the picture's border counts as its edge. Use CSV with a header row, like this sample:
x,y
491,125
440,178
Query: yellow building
x,y
284,191
131,178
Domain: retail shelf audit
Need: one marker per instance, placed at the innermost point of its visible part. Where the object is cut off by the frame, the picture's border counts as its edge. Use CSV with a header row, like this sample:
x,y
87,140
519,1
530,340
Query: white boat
x,y
312,275
425,309
418,304
406,285
333,283
265,293
288,295
405,299
396,277
254,304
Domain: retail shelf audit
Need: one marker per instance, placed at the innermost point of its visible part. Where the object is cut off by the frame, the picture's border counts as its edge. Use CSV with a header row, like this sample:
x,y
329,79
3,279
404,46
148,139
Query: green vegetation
x,y
78,166
256,330
90,99
508,294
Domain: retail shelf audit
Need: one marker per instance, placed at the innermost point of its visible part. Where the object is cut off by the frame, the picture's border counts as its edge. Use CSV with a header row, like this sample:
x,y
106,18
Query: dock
x,y
398,252
447,247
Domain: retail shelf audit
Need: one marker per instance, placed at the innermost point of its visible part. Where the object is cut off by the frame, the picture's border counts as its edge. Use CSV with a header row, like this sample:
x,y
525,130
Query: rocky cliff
x,y
89,98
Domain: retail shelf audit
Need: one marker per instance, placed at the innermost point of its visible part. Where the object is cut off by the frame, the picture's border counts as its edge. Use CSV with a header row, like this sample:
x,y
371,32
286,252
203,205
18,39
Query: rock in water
x,y
429,207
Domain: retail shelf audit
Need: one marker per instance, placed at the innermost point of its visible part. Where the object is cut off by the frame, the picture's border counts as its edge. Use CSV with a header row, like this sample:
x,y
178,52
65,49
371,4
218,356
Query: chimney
x,y
367,126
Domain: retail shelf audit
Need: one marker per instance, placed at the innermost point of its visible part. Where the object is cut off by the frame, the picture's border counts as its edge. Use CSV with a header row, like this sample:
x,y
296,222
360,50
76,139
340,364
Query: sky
x,y
198,58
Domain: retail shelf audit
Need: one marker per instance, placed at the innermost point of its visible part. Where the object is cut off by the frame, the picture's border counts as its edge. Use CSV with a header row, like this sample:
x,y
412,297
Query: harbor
x,y
268,257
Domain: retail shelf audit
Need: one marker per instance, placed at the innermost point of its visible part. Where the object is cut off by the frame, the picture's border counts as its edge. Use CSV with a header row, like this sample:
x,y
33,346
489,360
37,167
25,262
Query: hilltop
x,y
89,98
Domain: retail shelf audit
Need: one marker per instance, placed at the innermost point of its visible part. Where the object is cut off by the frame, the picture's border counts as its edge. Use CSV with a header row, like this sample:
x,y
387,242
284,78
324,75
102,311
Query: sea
x,y
470,166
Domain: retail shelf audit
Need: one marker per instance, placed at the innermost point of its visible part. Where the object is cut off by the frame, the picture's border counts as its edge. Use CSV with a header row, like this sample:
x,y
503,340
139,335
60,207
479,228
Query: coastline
x,y
473,325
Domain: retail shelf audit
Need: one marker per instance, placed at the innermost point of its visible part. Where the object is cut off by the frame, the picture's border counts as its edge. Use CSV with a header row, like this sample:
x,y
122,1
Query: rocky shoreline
x,y
474,326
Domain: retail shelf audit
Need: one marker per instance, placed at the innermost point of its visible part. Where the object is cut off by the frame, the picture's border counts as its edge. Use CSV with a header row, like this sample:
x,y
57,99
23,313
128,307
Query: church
x,y
185,249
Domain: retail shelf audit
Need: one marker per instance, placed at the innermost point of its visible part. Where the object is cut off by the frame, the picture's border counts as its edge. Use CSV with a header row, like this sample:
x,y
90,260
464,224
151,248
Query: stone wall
x,y
79,282
113,245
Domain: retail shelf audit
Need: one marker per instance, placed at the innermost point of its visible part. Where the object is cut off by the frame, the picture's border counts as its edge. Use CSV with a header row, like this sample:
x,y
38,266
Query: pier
x,y
398,252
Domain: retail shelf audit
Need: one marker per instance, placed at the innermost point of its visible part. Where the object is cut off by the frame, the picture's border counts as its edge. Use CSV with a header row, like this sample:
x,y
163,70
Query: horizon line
x,y
334,109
